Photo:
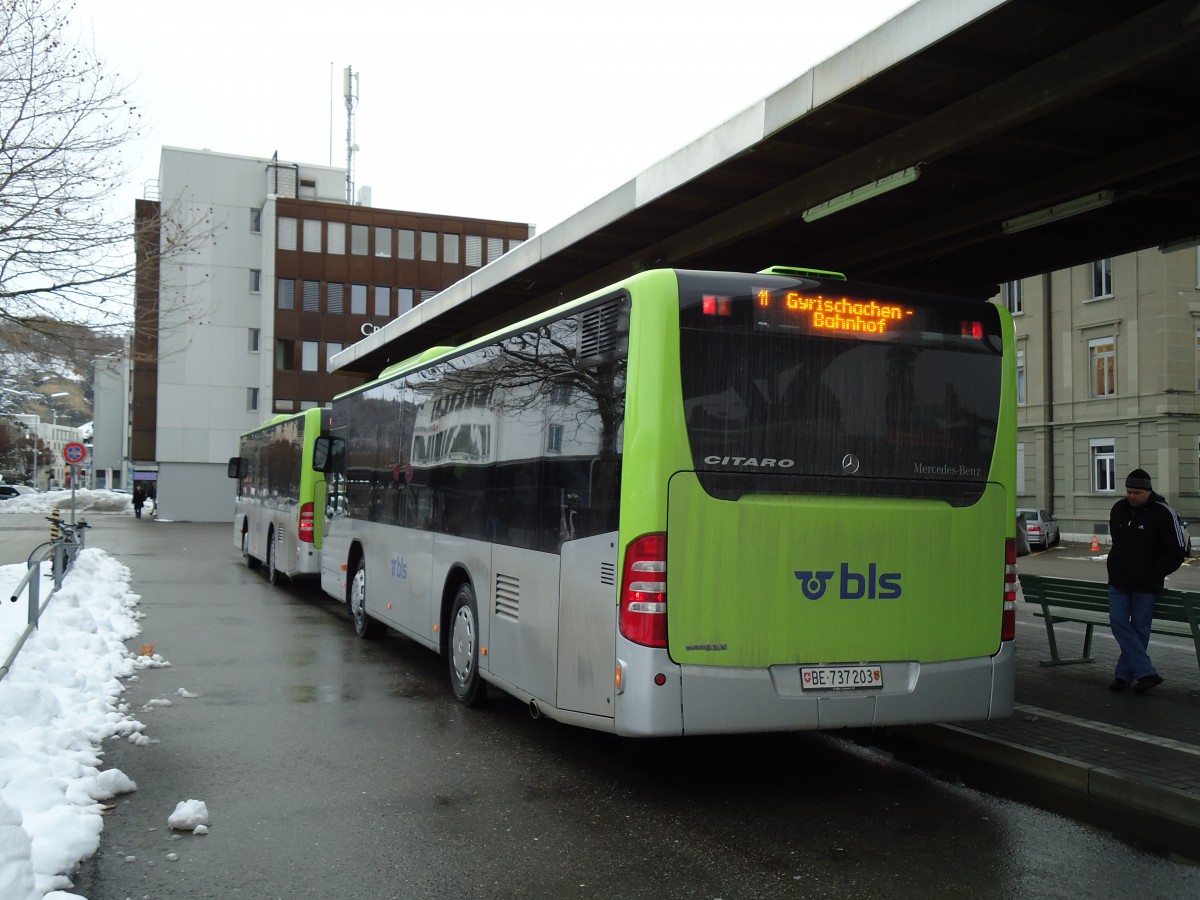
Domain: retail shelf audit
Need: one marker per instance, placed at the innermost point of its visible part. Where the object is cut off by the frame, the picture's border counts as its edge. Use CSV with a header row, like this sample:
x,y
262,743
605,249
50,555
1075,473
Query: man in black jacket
x,y
1147,546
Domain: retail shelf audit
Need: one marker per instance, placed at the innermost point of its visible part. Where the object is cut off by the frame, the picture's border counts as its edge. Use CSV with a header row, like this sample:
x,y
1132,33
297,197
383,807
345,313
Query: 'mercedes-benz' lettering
x,y
750,462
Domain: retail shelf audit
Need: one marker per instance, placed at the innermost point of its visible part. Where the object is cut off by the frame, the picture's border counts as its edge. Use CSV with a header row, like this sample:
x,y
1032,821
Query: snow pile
x,y
85,500
189,815
57,704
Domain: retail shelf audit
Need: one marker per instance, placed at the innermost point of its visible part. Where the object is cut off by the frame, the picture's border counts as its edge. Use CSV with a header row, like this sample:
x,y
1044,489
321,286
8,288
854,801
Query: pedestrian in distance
x,y
139,500
1147,546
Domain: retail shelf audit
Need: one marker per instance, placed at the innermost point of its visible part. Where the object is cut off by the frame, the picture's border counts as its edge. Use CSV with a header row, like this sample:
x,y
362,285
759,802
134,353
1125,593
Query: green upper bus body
x,y
829,463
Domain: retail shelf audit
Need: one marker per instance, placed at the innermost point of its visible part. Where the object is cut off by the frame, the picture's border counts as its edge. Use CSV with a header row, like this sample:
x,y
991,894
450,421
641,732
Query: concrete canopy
x,y
1002,110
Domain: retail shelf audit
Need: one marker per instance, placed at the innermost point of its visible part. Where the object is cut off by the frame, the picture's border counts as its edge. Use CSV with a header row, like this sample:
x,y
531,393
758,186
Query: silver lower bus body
x,y
720,700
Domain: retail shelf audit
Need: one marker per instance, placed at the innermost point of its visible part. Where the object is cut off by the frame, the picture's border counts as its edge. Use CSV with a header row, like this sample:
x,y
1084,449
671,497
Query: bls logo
x,y
874,585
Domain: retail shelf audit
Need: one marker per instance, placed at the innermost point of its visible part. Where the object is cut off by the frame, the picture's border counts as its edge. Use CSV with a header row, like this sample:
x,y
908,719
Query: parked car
x,y
14,490
1041,527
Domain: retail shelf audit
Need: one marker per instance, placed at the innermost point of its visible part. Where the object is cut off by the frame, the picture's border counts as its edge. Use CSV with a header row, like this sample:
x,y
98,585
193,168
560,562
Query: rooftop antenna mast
x,y
350,93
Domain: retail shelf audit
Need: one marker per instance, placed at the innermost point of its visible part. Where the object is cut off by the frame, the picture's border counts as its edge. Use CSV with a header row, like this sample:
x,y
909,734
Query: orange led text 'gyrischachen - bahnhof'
x,y
836,314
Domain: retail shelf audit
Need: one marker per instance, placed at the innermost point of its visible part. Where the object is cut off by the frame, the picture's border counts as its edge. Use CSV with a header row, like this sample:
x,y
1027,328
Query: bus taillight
x,y
306,523
1008,623
644,591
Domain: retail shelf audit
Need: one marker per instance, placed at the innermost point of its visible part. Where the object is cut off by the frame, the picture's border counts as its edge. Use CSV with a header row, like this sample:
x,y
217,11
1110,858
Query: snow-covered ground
x,y
85,501
59,701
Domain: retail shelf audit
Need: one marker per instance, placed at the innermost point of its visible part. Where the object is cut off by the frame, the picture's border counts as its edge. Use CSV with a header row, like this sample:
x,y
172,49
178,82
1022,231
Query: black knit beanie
x,y
1139,478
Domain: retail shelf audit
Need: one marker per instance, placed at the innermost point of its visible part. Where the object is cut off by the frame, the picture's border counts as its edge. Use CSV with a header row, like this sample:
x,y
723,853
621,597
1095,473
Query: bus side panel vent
x,y
608,573
602,333
508,597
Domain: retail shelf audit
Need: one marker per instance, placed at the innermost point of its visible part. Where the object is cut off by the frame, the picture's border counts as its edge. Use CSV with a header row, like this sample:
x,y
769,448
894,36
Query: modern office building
x,y
1108,380
252,273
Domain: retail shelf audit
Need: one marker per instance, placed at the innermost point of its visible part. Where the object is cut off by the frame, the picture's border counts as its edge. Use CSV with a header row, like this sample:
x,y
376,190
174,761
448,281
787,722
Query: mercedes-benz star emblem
x,y
850,464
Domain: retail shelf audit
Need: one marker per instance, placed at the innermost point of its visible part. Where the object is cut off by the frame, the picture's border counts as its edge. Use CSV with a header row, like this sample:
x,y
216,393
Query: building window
x,y
514,243
286,293
336,238
1104,465
254,337
308,356
429,246
335,297
554,435
406,243
1013,301
311,296
285,355
286,233
332,348
428,295
1020,378
256,281
1101,279
358,239
308,188
495,248
450,248
383,300
474,250
383,241
312,236
404,300
1102,364
256,221
1020,468
358,299
285,405
252,399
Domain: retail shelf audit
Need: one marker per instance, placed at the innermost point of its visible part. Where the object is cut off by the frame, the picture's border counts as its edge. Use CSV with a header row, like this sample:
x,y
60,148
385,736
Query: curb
x,y
1103,789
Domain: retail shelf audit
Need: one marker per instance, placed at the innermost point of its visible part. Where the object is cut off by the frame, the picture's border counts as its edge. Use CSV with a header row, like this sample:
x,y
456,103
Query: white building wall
x,y
205,365
110,437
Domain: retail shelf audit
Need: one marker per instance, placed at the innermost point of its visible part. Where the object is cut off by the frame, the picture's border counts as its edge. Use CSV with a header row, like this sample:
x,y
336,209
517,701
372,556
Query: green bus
x,y
279,508
696,502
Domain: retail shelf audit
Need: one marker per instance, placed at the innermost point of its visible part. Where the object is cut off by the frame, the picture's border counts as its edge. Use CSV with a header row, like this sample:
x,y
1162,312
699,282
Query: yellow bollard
x,y
55,530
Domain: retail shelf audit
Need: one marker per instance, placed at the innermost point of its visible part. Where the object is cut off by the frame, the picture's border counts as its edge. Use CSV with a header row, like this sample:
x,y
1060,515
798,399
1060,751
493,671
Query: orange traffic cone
x,y
1095,544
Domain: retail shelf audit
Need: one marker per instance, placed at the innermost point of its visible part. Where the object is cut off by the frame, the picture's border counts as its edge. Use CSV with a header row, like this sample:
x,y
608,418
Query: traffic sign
x,y
74,453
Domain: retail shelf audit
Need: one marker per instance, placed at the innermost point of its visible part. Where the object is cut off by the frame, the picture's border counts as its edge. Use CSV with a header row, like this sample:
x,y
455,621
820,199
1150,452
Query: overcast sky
x,y
525,111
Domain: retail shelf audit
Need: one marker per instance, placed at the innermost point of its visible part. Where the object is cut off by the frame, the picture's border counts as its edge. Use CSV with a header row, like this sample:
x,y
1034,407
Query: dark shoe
x,y
1144,684
1118,685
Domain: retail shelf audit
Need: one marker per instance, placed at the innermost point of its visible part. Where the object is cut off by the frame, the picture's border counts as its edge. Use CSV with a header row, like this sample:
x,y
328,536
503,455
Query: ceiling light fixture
x,y
1058,211
859,194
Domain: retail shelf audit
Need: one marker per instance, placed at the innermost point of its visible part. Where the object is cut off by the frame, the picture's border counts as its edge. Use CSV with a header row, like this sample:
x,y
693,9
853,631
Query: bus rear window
x,y
798,385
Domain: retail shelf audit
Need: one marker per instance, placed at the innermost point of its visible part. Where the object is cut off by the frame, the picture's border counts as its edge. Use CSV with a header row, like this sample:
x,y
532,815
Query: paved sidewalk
x,y
1126,762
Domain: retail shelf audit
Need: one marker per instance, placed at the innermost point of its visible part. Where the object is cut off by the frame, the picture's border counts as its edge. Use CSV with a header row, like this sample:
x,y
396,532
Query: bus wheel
x,y
251,561
468,687
272,572
364,626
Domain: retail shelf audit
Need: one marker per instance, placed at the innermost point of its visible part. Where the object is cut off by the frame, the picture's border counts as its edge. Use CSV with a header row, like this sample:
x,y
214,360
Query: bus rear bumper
x,y
723,700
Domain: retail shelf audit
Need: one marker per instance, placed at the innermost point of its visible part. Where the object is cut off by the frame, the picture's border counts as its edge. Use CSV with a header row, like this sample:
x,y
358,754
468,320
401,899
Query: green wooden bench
x,y
1086,602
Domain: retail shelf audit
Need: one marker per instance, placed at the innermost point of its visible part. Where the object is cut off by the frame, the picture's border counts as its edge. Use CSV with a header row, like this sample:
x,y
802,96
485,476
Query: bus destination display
x,y
818,313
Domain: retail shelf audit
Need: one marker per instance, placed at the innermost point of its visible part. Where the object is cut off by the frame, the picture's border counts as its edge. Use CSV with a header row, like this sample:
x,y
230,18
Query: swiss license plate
x,y
840,678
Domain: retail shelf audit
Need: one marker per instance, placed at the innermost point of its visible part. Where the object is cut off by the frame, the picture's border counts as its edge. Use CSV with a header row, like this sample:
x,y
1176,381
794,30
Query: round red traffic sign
x,y
74,453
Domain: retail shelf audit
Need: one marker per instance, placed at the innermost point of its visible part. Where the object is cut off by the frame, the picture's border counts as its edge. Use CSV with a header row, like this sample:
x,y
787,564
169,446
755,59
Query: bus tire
x,y
272,572
463,650
364,626
251,561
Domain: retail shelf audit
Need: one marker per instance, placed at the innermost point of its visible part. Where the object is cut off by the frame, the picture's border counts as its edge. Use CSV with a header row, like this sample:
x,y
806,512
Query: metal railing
x,y
67,539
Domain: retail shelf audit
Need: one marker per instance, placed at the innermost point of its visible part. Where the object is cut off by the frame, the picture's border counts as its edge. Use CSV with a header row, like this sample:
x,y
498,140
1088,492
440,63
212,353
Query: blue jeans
x,y
1130,614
